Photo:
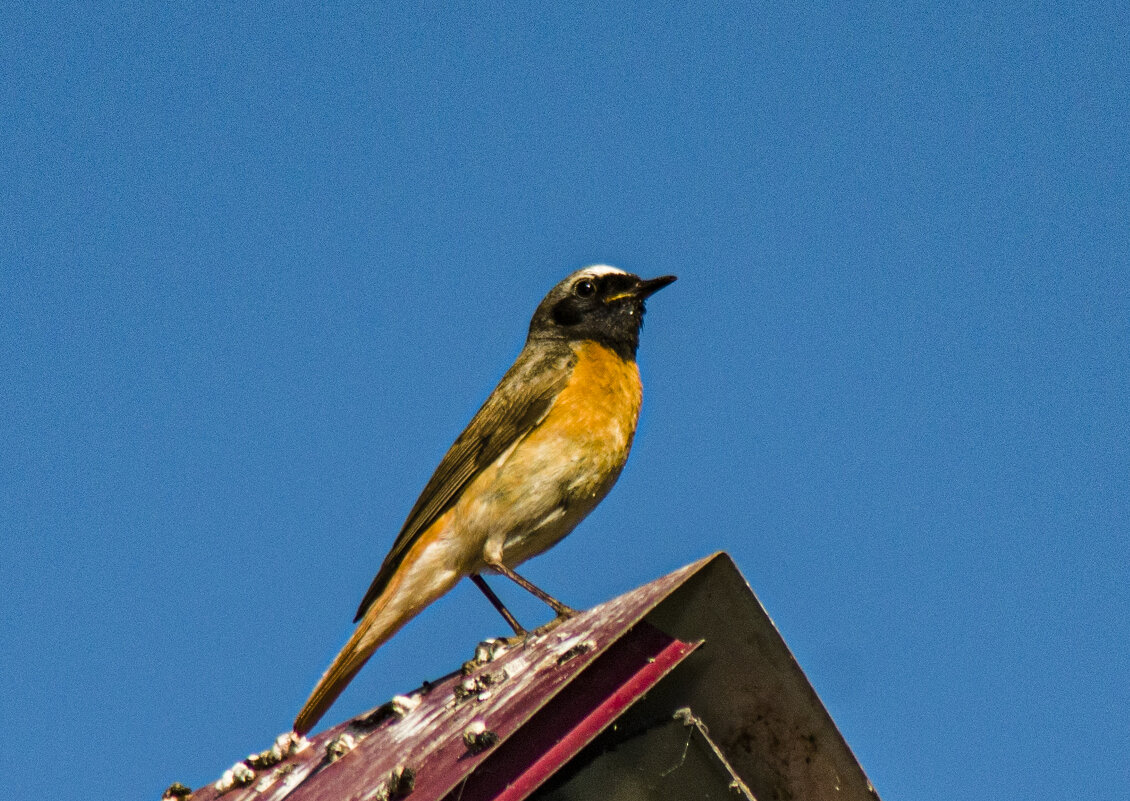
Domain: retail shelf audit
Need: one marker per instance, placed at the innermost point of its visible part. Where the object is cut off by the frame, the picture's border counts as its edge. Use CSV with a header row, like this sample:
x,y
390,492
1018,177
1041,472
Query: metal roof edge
x,y
744,684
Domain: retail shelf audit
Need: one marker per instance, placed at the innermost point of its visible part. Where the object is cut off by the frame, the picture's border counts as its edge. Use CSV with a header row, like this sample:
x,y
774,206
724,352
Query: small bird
x,y
541,453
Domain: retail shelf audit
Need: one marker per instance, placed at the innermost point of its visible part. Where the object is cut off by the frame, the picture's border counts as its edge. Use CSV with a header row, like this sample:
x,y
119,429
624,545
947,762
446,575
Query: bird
x,y
543,450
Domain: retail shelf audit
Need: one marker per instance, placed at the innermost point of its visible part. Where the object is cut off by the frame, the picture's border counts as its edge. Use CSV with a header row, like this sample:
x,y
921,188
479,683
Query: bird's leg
x,y
561,609
496,602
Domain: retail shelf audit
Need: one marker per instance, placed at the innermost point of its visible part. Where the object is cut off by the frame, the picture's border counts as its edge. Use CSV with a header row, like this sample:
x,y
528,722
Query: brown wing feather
x,y
521,400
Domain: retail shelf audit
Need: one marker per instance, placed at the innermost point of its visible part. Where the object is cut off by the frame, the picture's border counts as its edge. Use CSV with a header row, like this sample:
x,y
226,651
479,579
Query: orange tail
x,y
409,591
365,640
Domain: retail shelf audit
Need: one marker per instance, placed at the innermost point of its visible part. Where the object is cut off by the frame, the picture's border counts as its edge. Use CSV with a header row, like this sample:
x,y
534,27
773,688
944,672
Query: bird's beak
x,y
643,289
651,286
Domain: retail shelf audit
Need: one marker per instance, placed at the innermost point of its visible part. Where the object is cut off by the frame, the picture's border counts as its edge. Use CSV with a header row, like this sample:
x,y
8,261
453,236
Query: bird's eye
x,y
584,288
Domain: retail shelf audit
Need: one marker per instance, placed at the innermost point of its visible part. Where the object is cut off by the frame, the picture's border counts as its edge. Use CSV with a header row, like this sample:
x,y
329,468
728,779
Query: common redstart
x,y
540,454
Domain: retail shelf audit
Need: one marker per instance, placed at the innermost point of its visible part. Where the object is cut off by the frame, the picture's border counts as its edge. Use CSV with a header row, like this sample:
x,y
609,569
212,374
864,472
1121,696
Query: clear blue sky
x,y
258,267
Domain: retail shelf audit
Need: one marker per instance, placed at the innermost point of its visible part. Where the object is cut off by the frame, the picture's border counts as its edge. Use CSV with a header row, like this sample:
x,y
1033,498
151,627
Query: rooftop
x,y
672,688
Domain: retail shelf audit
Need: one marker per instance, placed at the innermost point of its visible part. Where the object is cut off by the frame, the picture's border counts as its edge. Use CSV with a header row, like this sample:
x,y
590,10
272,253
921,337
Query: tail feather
x,y
352,658
412,588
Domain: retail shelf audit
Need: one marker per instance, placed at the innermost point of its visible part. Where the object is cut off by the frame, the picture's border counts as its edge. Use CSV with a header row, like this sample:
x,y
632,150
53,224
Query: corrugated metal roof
x,y
517,712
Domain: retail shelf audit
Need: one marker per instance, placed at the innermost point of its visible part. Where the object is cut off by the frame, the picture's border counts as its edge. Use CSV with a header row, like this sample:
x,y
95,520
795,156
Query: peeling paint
x,y
442,729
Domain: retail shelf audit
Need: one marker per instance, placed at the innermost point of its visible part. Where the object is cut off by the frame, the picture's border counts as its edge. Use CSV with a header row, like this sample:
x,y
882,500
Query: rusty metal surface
x,y
670,759
747,687
425,733
631,667
506,724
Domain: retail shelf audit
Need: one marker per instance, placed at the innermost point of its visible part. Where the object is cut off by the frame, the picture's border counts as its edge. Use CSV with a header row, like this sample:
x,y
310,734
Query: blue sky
x,y
259,266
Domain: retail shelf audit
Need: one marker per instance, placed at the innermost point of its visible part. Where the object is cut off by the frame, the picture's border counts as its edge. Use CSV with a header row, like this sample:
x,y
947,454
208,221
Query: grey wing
x,y
519,402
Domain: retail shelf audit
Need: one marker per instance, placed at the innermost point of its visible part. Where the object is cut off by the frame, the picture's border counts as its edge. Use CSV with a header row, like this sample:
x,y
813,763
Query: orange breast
x,y
534,495
582,444
601,401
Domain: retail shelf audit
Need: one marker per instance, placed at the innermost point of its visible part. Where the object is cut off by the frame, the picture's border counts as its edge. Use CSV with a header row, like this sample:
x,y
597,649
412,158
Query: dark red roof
x,y
515,715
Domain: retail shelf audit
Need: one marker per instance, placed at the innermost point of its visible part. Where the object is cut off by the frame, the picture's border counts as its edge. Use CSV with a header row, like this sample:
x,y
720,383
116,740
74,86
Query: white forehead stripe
x,y
603,269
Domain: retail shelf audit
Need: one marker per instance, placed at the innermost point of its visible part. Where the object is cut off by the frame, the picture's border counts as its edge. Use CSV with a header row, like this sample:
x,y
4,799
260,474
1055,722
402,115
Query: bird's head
x,y
600,303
